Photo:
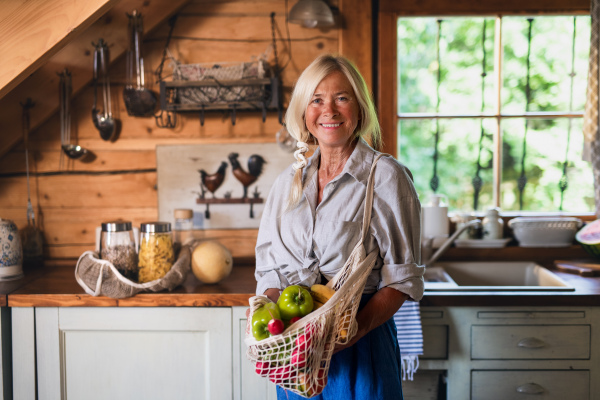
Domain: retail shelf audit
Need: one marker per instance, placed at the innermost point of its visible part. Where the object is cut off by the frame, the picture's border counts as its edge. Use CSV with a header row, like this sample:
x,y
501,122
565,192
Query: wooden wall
x,y
121,181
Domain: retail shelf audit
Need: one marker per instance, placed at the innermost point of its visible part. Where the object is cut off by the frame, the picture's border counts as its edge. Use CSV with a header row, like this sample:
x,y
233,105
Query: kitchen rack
x,y
250,94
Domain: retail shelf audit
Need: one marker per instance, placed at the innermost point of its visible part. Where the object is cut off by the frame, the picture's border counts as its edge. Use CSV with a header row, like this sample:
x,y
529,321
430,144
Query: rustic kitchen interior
x,y
60,342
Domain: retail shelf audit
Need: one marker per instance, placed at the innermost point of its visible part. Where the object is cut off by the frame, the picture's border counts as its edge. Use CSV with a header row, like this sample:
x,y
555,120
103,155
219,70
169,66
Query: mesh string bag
x,y
298,359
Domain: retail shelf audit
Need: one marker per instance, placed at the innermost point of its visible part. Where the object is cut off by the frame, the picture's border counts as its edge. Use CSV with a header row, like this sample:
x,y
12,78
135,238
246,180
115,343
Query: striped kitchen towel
x,y
410,337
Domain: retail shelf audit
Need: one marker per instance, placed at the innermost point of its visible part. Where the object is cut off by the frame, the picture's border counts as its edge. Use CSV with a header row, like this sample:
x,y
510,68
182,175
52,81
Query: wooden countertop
x,y
55,286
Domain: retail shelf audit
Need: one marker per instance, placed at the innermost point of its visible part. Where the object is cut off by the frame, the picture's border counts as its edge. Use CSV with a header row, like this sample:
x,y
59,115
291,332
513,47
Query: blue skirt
x,y
369,370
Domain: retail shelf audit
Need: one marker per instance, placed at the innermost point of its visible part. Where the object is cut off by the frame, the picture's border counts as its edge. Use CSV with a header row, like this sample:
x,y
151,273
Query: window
x,y
459,104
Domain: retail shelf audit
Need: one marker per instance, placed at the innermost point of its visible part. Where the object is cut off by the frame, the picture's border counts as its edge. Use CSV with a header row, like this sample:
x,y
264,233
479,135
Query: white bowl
x,y
545,231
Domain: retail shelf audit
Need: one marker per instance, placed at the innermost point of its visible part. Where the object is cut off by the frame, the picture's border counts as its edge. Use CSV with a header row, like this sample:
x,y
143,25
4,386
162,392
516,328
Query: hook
x,y
233,114
202,115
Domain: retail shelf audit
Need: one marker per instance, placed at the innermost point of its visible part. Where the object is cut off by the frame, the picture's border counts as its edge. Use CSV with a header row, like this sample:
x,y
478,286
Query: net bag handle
x,y
342,275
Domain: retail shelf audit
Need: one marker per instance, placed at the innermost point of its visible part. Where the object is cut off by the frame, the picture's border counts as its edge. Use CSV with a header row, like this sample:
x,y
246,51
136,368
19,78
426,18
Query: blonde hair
x,y
368,124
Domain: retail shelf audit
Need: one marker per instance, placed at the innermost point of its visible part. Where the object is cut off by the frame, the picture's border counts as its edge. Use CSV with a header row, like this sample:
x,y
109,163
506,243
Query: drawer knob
x,y
531,343
530,388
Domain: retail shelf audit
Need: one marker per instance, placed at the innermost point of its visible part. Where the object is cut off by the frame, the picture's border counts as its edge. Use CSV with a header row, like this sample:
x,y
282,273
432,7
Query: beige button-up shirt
x,y
297,246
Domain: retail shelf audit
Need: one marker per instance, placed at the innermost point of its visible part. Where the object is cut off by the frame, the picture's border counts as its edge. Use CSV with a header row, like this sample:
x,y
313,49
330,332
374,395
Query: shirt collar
x,y
358,165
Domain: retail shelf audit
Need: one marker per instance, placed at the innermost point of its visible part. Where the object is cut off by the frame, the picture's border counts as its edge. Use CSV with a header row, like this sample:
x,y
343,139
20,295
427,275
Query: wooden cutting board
x,y
580,268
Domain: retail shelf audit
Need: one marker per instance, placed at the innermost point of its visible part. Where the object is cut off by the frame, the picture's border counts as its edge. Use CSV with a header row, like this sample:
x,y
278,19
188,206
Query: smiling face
x,y
333,112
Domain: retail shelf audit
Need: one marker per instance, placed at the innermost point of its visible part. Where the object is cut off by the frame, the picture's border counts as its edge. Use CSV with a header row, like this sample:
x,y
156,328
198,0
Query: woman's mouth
x,y
331,125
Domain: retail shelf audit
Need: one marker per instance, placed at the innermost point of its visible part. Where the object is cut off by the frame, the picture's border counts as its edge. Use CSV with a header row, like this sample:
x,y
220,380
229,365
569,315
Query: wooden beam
x,y
76,56
33,31
485,7
386,100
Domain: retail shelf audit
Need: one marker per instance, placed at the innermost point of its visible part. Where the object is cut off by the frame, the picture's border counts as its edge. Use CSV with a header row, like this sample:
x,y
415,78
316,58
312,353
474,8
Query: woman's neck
x,y
332,160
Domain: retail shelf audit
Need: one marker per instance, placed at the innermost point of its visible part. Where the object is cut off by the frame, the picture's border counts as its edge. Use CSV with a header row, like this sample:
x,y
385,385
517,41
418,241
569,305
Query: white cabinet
x,y
248,385
514,352
123,353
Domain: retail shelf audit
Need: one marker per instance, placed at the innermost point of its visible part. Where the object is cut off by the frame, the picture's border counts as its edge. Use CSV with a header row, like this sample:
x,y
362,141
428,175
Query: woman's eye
x,y
342,98
316,101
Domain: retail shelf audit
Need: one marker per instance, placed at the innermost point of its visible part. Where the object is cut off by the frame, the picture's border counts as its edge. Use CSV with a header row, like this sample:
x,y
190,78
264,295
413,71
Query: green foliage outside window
x,y
460,92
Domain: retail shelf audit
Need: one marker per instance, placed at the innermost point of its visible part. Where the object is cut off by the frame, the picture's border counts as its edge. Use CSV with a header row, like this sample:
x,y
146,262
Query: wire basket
x,y
222,74
545,232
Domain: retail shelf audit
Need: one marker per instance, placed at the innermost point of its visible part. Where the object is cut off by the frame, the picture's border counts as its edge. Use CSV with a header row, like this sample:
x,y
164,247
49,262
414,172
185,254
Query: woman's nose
x,y
330,108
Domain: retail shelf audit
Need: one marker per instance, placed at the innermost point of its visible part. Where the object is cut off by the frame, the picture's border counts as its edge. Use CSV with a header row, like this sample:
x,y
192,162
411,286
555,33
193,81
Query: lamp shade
x,y
311,14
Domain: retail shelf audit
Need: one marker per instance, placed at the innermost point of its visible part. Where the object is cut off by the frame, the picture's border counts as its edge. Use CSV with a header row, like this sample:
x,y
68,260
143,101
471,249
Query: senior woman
x,y
312,220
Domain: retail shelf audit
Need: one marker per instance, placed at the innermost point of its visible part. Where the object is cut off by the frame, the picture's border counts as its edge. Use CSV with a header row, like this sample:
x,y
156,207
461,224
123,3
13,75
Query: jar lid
x,y
183,213
116,226
156,226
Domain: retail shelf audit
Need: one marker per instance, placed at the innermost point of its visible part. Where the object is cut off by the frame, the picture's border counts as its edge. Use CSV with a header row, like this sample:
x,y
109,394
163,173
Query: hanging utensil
x,y
104,121
65,89
31,237
139,101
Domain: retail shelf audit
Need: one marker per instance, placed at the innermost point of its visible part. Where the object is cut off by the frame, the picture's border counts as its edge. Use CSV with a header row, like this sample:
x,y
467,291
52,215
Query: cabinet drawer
x,y
435,342
546,385
530,342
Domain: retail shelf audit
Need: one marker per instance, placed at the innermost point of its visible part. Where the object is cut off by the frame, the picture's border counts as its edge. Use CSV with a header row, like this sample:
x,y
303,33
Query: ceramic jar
x,y
492,225
11,251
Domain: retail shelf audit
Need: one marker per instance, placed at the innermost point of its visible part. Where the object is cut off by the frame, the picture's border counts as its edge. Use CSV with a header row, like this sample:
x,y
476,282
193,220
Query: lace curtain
x,y
591,123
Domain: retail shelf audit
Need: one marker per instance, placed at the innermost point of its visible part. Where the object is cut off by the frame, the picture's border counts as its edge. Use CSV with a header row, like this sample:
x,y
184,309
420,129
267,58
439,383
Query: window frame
x,y
388,13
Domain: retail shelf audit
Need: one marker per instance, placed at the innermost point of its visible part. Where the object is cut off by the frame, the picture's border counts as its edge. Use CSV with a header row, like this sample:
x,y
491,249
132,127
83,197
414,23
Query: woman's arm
x,y
381,307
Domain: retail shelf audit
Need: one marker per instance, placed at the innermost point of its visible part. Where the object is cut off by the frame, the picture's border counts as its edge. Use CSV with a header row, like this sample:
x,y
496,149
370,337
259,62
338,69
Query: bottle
x,y
156,254
184,224
492,225
117,245
435,220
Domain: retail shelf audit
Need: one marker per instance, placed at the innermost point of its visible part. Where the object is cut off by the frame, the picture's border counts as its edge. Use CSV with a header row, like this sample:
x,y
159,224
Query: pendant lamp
x,y
311,14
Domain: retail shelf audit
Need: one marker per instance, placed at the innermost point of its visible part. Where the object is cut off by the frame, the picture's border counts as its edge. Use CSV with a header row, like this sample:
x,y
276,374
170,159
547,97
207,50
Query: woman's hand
x,y
272,294
381,307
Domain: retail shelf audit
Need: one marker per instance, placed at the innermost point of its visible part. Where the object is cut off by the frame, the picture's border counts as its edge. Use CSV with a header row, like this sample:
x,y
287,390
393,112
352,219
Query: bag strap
x,y
346,270
369,198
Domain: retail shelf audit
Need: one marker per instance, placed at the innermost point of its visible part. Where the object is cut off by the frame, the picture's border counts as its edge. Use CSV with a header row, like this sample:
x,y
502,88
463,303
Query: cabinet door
x,y
133,353
247,384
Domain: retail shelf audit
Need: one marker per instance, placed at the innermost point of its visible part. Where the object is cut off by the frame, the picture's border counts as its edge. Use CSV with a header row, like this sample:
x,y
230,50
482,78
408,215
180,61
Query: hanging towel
x,y
410,337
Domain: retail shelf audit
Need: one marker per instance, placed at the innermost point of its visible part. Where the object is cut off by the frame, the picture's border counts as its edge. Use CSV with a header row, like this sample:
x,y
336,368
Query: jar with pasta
x,y
156,254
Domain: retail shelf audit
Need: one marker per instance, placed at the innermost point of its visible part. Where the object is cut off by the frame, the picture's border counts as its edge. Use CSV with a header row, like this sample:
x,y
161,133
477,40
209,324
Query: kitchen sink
x,y
492,276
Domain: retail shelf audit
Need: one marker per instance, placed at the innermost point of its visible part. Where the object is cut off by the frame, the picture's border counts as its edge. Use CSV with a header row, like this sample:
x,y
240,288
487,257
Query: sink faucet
x,y
429,242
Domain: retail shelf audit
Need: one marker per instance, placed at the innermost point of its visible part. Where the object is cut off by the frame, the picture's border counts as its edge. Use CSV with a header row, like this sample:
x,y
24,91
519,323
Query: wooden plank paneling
x,y
356,36
97,191
490,7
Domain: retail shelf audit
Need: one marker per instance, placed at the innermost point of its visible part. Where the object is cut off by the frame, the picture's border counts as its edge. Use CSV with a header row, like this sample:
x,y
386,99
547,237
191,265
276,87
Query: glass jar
x,y
117,245
184,224
156,254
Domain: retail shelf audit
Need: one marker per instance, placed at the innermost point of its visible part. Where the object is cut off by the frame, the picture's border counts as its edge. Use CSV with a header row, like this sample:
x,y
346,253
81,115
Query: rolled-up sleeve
x,y
396,225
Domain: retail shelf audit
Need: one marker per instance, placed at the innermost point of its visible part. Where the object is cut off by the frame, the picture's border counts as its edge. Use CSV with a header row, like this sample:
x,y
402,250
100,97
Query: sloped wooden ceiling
x,y
41,38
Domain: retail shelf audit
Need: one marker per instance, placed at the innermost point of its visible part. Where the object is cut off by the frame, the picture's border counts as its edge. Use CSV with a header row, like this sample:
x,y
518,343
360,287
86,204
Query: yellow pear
x,y
211,262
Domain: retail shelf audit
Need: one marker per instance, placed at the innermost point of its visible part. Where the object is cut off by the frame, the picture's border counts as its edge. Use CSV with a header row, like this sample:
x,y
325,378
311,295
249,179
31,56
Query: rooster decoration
x,y
213,181
255,168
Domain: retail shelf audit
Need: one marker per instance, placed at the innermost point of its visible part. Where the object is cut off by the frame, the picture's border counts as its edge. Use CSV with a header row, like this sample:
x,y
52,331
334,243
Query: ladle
x,y
104,121
72,151
139,101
